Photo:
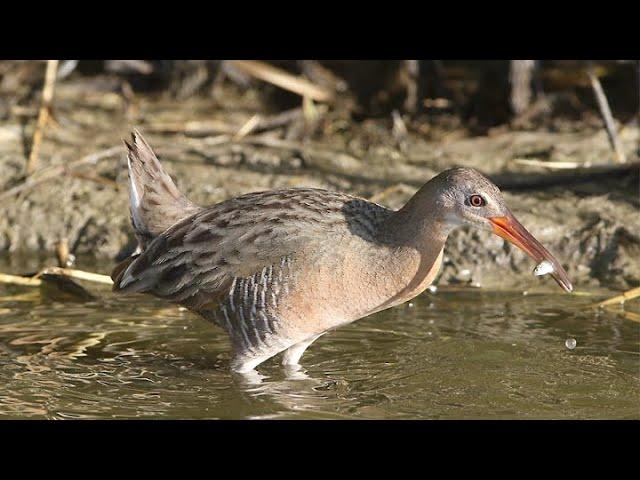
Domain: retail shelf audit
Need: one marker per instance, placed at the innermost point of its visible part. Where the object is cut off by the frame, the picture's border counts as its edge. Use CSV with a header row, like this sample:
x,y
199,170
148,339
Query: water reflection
x,y
454,354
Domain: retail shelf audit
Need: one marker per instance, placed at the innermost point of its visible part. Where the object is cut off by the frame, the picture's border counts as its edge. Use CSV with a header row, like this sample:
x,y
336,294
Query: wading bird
x,y
277,269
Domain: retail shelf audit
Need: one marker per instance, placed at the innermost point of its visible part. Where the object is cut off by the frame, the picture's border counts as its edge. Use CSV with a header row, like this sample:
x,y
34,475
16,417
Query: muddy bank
x,y
592,226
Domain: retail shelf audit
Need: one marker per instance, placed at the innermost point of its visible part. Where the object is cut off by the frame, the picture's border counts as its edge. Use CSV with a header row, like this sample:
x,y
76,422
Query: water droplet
x,y
410,304
432,289
570,343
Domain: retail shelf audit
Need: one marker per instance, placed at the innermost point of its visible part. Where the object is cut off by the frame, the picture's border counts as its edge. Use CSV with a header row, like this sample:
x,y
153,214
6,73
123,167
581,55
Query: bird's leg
x,y
246,359
292,354
245,364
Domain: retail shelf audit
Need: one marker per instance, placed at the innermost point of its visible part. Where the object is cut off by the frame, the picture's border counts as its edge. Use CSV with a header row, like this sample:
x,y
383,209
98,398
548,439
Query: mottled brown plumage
x,y
277,269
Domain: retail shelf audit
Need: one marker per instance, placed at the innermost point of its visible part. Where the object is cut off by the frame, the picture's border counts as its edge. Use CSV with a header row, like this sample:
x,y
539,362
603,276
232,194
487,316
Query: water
x,y
463,353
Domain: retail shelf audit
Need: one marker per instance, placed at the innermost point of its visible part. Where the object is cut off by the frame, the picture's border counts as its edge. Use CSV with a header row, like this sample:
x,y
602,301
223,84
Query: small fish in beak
x,y
509,228
543,268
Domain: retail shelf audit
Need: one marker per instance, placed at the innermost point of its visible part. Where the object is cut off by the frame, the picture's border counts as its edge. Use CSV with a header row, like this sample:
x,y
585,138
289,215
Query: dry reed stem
x,y
18,280
36,281
619,299
194,127
551,165
283,79
634,317
222,130
605,111
77,274
247,128
43,115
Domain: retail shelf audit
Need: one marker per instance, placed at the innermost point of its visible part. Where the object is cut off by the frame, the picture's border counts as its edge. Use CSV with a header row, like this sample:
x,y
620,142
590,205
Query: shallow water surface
x,y
458,353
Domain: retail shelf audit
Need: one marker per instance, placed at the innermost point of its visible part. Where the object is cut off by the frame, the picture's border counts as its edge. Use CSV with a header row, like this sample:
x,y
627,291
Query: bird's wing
x,y
195,261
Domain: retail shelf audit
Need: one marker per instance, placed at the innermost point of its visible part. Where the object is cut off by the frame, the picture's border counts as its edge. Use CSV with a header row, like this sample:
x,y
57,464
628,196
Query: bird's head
x,y
465,196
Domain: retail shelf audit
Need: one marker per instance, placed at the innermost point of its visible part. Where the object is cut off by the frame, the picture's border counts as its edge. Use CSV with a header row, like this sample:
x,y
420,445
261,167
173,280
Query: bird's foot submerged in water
x,y
246,363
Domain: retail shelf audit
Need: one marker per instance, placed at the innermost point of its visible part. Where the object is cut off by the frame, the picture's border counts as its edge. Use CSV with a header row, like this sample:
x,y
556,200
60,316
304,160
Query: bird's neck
x,y
413,239
421,223
400,261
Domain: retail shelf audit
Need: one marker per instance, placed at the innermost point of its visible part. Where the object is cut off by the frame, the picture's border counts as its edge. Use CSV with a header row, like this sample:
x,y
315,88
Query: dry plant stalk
x,y
36,281
19,280
618,299
77,274
211,128
247,128
605,111
43,115
282,79
551,165
634,317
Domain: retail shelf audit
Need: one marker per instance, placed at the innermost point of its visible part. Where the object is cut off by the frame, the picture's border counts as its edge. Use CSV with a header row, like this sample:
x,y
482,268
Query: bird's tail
x,y
155,201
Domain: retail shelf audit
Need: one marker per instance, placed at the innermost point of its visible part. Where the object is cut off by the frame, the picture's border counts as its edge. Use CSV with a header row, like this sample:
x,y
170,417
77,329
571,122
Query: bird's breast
x,y
407,278
360,280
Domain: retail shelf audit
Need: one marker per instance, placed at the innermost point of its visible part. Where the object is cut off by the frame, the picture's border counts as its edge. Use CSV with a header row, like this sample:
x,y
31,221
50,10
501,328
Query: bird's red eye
x,y
476,201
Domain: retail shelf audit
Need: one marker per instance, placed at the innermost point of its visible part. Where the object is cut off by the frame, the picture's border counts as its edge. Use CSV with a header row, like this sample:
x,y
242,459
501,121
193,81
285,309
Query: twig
x,y
634,317
265,141
605,111
282,79
440,103
553,165
278,120
213,127
193,128
18,280
141,67
618,299
36,280
43,115
78,274
321,75
53,173
247,128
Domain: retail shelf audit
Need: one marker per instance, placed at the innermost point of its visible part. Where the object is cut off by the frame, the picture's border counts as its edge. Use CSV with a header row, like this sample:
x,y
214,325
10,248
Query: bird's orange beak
x,y
509,228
